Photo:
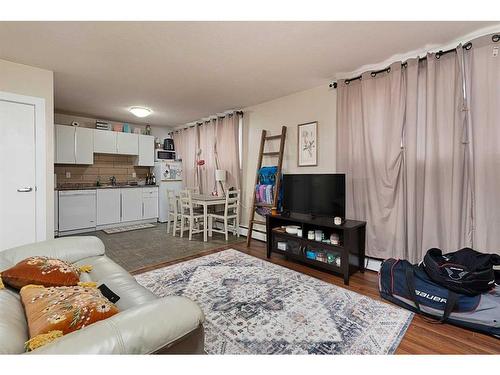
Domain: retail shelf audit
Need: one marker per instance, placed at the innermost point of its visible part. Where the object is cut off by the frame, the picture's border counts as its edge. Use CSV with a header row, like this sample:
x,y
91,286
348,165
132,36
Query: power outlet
x,y
68,174
134,175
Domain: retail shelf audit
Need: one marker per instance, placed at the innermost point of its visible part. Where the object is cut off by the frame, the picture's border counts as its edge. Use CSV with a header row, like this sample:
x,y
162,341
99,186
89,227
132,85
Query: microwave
x,y
161,154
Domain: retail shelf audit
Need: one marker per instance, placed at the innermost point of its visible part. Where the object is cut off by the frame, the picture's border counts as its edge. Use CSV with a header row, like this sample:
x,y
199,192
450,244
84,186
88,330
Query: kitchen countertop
x,y
93,187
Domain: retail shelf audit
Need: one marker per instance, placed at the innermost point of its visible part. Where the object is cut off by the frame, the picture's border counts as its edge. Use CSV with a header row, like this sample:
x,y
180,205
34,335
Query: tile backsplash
x,y
105,166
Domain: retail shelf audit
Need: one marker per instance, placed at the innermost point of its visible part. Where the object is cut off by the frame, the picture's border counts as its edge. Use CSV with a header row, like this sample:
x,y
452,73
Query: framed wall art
x,y
308,144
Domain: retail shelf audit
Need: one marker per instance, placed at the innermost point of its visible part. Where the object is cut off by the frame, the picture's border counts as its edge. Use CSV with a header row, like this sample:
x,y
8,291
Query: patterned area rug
x,y
128,228
256,307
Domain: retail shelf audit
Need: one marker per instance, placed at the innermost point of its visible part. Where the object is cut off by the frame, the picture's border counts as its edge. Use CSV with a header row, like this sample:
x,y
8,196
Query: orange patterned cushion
x,y
65,309
41,271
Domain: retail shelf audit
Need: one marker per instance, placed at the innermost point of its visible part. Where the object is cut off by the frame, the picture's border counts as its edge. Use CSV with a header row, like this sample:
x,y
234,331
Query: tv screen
x,y
316,194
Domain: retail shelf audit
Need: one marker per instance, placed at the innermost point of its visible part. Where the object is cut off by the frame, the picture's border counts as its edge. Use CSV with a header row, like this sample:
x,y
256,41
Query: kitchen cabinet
x,y
131,201
146,156
84,147
150,203
127,144
105,141
74,145
108,206
65,144
84,210
56,212
150,208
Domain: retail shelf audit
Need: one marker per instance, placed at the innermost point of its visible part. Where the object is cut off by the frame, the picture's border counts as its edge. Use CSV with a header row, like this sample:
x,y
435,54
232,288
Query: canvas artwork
x,y
308,144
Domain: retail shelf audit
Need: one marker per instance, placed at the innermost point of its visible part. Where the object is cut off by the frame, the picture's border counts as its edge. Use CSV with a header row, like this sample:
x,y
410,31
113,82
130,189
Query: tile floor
x,y
146,247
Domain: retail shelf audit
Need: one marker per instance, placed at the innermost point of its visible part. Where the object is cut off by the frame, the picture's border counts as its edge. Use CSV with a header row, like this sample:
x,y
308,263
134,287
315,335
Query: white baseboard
x,y
371,264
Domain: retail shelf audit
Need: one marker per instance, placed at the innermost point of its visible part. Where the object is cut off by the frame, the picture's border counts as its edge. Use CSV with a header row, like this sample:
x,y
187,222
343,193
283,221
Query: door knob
x,y
25,189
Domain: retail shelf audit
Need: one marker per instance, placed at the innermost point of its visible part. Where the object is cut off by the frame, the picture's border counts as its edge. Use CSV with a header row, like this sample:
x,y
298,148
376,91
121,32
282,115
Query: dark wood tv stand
x,y
350,252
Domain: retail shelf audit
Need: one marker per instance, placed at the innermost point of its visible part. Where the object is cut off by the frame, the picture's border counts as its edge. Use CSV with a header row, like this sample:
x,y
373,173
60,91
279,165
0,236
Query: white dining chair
x,y
173,212
190,215
231,213
193,189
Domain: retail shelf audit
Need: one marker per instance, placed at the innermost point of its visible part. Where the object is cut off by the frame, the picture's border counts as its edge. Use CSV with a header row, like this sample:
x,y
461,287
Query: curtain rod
x,y
467,46
202,122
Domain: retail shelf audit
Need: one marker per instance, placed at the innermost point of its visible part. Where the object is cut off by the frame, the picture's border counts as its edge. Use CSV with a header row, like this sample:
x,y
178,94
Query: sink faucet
x,y
113,180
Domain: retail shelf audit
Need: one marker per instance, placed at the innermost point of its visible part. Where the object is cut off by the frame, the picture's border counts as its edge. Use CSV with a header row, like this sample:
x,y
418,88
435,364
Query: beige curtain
x,y
370,124
482,67
227,148
216,143
187,146
443,188
207,154
438,193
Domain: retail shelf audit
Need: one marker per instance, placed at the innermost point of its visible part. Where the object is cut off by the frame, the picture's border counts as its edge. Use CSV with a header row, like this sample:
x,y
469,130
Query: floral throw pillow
x,y
41,271
56,311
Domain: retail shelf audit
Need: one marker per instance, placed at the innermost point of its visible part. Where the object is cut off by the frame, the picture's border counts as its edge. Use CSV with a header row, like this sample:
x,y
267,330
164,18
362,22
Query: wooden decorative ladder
x,y
279,154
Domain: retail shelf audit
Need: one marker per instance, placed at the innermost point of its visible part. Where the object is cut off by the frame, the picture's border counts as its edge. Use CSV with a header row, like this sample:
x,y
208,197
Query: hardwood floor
x,y
421,337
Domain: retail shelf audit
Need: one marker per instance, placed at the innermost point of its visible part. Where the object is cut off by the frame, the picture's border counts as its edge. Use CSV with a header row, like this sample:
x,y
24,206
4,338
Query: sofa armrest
x,y
70,249
141,330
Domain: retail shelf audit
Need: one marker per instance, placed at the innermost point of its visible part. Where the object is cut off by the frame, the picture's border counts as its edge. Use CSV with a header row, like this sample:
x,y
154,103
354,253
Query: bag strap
x,y
451,301
410,283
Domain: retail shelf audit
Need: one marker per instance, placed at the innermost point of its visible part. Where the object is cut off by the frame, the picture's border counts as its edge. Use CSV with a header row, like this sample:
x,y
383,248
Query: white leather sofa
x,y
145,324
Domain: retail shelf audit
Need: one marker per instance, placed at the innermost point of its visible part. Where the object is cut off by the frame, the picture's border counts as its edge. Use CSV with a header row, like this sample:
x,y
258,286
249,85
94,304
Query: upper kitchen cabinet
x,y
84,150
109,142
146,156
127,144
65,144
105,141
74,145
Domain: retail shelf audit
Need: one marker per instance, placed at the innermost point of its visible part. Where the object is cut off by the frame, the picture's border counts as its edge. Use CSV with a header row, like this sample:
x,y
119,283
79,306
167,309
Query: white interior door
x,y
18,169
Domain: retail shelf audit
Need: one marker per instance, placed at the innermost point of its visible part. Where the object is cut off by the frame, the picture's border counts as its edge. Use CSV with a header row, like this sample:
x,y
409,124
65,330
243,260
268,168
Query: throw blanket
x,y
264,191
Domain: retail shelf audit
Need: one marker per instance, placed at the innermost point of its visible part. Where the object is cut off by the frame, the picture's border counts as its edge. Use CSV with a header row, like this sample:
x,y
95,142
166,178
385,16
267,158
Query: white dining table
x,y
205,201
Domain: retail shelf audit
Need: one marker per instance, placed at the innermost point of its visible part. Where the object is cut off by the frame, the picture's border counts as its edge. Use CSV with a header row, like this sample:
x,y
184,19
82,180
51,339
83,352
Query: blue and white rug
x,y
255,307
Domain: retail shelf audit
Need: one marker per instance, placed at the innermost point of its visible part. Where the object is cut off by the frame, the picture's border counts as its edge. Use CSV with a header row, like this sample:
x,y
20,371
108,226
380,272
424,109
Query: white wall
x,y
318,104
31,81
89,122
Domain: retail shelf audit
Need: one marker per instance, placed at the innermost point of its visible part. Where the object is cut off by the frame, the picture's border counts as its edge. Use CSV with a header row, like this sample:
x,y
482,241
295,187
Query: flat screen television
x,y
315,194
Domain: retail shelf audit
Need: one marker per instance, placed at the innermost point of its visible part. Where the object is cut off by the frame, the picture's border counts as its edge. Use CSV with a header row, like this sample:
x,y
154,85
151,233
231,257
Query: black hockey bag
x,y
410,287
464,271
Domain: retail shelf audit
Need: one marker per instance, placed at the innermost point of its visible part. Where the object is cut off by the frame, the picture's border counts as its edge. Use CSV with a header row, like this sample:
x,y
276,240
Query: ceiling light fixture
x,y
140,111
